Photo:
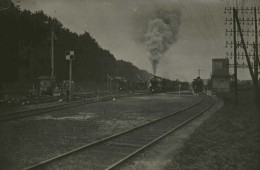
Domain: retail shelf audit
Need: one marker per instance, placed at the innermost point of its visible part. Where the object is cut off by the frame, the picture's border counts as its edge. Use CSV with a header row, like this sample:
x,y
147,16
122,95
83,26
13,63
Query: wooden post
x,y
70,86
245,50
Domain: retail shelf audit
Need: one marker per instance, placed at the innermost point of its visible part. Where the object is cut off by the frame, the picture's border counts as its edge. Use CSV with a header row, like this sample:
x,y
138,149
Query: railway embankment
x,y
230,139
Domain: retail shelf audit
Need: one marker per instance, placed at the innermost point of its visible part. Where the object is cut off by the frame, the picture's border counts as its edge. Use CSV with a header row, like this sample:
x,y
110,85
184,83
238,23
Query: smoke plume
x,y
162,31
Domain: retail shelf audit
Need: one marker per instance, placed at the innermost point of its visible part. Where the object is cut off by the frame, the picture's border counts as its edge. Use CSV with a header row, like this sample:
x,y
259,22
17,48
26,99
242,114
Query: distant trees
x,y
25,51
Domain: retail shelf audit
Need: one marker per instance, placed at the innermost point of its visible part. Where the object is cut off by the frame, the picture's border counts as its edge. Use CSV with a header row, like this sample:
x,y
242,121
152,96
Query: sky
x,y
120,26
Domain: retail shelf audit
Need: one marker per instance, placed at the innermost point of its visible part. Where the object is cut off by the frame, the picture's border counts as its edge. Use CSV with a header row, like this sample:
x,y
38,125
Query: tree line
x,y
25,50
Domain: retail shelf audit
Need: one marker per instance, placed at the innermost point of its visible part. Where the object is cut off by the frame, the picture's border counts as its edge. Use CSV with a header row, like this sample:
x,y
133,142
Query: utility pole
x,y
235,54
252,60
52,56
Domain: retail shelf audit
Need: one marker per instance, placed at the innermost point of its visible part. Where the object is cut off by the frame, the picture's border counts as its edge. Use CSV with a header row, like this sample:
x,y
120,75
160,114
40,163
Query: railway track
x,y
26,113
111,152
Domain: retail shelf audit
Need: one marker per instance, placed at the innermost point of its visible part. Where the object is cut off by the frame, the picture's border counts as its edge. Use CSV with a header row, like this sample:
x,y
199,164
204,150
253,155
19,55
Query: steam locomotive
x,y
158,84
155,84
197,86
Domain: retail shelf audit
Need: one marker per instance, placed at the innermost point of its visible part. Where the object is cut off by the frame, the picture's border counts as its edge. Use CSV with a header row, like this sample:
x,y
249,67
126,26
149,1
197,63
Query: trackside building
x,y
220,75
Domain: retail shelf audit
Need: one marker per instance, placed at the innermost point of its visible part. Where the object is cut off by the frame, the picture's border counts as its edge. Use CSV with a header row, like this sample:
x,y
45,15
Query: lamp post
x,y
70,56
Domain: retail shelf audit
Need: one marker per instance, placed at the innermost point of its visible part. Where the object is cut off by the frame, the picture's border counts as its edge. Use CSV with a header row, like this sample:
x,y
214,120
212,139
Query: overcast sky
x,y
116,24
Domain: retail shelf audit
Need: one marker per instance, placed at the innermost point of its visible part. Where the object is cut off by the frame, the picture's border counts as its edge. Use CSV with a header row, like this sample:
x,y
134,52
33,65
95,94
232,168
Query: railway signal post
x,y
70,56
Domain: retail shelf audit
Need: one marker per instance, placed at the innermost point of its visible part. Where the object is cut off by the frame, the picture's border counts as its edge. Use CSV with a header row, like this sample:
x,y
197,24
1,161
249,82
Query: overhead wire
x,y
189,10
212,24
204,19
210,14
206,32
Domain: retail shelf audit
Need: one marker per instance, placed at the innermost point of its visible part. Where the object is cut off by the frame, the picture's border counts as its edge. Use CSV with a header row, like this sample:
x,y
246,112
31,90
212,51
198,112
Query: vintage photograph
x,y
129,84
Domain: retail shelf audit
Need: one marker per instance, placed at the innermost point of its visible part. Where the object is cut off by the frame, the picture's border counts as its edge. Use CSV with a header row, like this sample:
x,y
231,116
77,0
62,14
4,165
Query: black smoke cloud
x,y
158,28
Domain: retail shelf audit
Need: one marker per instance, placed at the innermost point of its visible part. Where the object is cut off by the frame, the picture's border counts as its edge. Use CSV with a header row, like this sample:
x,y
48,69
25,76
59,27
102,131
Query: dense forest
x,y
25,50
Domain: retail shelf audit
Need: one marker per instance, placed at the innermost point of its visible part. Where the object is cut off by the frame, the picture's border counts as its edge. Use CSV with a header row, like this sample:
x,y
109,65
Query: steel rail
x,y
26,113
45,162
120,162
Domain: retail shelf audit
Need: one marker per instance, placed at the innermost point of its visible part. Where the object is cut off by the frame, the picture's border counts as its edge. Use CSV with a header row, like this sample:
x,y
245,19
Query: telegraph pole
x,y
235,53
245,48
252,60
52,56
